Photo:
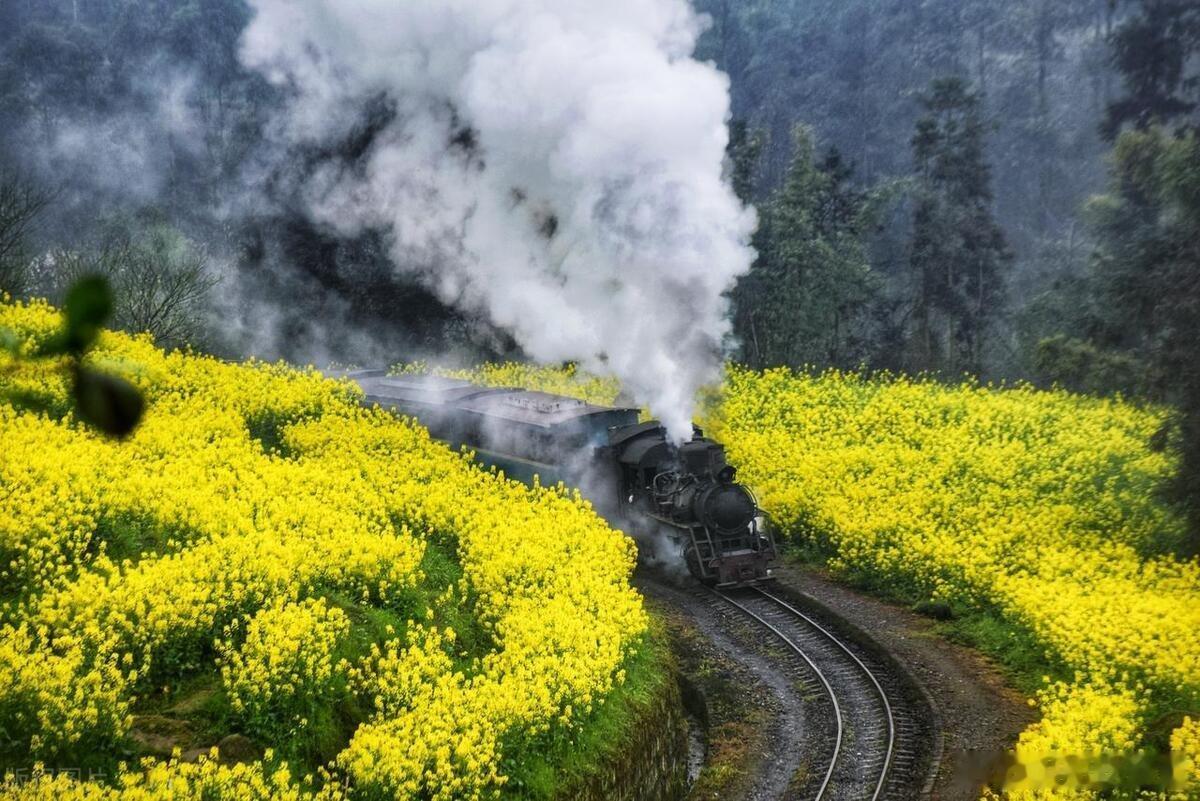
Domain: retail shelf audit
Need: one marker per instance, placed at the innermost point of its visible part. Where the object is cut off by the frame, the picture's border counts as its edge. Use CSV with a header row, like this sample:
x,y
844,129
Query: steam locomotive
x,y
630,470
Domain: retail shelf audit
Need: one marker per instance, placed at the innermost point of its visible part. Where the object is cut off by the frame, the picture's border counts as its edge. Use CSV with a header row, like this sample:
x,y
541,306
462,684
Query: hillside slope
x,y
264,556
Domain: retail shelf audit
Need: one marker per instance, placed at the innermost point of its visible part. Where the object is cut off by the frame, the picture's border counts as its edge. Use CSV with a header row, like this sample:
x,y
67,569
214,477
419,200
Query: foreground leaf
x,y
111,404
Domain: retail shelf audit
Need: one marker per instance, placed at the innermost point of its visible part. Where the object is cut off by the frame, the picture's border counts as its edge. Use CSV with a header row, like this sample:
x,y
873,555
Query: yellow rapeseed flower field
x,y
1042,508
284,668
565,380
253,522
1185,750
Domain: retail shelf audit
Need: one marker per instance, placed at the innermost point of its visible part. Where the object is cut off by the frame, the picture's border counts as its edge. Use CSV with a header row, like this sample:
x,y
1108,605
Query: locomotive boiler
x,y
631,471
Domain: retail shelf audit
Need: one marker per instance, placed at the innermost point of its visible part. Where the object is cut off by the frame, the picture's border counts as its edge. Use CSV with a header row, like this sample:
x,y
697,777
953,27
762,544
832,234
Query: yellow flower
x,y
248,494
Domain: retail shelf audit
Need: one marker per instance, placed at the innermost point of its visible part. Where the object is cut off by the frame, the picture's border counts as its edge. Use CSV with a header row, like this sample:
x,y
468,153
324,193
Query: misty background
x,y
1008,190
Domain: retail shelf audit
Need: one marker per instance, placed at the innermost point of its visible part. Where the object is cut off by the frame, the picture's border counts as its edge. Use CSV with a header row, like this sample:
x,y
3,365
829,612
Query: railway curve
x,y
862,727
861,744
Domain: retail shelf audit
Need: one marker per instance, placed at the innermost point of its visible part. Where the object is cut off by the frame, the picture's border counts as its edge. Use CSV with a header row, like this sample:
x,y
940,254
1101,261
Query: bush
x,y
284,674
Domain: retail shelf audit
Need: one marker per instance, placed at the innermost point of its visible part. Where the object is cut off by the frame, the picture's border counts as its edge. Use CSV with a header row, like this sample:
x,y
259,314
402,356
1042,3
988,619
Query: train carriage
x,y
630,470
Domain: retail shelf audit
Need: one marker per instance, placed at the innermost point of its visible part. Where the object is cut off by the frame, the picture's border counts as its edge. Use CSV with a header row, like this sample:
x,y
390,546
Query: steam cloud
x,y
555,165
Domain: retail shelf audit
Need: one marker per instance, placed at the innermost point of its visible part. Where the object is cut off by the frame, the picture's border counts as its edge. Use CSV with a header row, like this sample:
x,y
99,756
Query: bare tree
x,y
21,203
161,281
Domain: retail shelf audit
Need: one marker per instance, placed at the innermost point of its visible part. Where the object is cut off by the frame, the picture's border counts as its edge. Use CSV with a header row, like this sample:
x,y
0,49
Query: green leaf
x,y
9,341
106,402
89,304
57,345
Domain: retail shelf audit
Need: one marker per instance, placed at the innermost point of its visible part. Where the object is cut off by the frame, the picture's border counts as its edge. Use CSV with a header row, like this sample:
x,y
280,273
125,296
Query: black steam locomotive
x,y
631,471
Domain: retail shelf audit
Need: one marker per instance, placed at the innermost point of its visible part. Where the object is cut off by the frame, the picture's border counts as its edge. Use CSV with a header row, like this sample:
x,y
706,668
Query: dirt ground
x,y
754,718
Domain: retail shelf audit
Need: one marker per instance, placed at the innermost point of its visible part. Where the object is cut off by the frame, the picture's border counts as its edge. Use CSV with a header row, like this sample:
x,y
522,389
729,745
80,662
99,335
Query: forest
x,y
1009,191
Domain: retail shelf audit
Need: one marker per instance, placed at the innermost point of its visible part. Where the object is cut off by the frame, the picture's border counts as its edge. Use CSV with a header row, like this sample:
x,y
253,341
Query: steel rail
x,y
887,707
840,734
837,709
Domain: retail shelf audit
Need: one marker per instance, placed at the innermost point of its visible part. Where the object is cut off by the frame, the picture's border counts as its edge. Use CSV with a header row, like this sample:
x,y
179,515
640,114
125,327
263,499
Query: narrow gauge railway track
x,y
868,750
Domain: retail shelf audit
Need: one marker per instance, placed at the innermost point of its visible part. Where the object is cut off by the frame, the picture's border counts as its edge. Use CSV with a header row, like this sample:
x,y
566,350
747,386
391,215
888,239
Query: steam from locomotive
x,y
552,165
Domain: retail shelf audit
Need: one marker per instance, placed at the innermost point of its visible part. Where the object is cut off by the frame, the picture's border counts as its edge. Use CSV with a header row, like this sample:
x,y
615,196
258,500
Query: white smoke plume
x,y
555,165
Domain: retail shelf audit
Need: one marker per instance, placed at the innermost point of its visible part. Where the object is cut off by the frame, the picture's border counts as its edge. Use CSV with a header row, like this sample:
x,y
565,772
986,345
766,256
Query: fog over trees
x,y
1054,84
1005,189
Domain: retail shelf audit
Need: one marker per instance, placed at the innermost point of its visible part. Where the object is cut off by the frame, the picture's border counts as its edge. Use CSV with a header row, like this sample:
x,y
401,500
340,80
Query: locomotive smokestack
x,y
552,165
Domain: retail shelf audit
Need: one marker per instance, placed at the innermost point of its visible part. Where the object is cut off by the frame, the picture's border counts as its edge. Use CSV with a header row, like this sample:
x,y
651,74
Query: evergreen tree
x,y
805,300
1154,50
1142,305
959,255
1146,281
744,151
1157,51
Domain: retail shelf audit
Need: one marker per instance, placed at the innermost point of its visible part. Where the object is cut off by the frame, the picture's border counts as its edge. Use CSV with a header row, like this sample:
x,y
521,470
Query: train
x,y
629,469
